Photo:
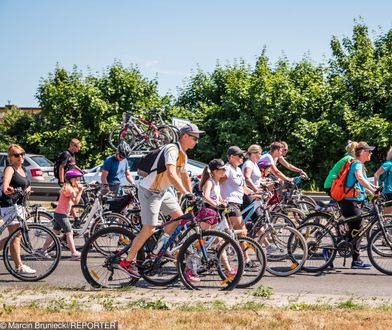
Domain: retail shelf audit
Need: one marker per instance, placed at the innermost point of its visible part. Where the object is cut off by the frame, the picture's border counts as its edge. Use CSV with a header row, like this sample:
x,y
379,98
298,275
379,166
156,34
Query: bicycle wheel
x,y
111,219
160,137
286,250
305,206
28,241
308,199
169,132
114,136
281,219
99,269
380,250
40,217
217,264
321,246
296,215
254,262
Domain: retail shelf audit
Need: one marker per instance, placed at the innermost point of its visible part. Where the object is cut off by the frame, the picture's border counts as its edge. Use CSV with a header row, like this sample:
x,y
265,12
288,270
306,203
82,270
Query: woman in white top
x,y
233,187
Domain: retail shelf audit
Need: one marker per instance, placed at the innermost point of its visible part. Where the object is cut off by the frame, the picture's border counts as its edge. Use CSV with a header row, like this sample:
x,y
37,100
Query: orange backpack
x,y
339,191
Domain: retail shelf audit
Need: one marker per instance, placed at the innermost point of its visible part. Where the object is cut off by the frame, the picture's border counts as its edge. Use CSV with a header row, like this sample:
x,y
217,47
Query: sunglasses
x,y
22,154
241,156
194,138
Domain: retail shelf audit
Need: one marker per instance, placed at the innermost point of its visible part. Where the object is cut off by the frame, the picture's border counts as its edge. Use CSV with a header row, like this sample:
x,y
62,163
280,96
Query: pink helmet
x,y
210,215
74,173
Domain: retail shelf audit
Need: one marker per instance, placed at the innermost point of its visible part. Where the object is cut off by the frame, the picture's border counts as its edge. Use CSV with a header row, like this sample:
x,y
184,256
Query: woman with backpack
x,y
15,176
351,204
333,173
384,176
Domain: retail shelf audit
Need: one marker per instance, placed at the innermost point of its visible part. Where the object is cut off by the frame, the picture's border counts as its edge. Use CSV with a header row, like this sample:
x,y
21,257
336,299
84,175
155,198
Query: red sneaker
x,y
129,267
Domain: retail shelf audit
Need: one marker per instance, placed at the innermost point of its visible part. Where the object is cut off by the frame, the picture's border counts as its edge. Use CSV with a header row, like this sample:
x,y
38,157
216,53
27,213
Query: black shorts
x,y
61,222
235,210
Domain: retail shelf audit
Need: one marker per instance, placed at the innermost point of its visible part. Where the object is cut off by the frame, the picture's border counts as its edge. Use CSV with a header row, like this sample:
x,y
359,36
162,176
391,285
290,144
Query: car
x,y
194,168
39,168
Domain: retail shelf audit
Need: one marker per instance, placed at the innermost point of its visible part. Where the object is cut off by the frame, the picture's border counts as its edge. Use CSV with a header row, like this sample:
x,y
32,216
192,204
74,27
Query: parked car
x,y
193,167
39,168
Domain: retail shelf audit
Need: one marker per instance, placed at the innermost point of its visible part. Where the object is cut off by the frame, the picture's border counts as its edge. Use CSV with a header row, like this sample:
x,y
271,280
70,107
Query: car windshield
x,y
42,161
133,163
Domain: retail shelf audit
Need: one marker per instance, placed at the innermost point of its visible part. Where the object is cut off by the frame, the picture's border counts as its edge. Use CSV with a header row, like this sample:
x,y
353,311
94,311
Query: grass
x,y
263,292
141,318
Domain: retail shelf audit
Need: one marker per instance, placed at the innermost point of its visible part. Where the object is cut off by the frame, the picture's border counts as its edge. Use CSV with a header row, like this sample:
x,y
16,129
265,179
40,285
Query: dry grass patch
x,y
263,318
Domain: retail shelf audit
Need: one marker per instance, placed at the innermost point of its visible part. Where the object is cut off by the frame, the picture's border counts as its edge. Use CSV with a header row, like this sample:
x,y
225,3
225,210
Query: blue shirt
x,y
356,166
116,169
388,179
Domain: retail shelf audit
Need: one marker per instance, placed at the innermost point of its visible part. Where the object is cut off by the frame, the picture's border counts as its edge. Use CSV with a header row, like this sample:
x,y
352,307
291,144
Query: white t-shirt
x,y
255,175
232,189
215,192
160,182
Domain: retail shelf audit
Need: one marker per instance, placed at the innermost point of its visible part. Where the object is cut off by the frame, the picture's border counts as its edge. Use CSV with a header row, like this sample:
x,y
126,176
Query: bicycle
x,y
141,134
285,247
100,266
32,237
324,245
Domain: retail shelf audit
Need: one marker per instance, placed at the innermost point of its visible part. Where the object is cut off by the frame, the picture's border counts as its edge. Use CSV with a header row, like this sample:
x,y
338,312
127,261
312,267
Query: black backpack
x,y
56,165
146,164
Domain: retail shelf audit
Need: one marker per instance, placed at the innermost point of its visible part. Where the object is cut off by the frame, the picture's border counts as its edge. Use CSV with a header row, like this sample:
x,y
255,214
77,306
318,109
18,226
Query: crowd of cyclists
x,y
245,177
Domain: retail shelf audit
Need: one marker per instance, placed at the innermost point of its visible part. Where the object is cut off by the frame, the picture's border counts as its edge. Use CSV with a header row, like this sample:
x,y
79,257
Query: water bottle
x,y
162,240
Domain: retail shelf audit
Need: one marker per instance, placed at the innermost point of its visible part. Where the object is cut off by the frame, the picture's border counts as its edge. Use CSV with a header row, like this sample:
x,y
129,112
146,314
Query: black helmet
x,y
124,149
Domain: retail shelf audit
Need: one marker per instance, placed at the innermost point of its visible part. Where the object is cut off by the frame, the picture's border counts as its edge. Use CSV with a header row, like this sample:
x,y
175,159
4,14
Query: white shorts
x,y
13,212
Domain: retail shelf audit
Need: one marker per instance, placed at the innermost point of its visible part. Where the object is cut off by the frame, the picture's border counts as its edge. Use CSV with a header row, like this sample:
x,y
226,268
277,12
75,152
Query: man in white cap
x,y
154,197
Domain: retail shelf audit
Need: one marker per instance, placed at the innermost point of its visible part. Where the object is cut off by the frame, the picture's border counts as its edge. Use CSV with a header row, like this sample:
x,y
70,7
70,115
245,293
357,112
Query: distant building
x,y
27,110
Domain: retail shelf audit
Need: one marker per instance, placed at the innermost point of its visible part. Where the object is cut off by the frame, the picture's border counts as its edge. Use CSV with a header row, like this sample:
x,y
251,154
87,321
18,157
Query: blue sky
x,y
167,38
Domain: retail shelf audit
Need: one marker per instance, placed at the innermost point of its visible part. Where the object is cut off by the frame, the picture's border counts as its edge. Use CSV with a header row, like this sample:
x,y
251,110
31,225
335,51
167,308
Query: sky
x,y
167,39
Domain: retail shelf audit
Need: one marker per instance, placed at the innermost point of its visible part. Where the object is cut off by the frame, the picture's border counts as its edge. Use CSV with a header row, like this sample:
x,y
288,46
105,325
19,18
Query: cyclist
x,y
116,167
334,172
154,196
386,168
70,195
356,184
281,160
67,160
276,150
252,176
15,176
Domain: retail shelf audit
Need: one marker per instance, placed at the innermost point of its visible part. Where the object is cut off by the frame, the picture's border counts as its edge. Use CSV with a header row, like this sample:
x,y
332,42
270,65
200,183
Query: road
x,y
341,281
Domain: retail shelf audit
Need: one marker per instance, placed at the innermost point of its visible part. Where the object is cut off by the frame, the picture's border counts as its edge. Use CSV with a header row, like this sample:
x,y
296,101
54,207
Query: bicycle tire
x,y
40,217
309,199
379,250
296,216
114,136
305,206
288,252
210,270
281,219
160,137
320,253
252,273
99,269
31,239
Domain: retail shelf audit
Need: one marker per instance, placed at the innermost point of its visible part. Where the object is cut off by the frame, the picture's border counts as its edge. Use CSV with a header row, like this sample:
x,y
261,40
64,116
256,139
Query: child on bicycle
x,y
70,195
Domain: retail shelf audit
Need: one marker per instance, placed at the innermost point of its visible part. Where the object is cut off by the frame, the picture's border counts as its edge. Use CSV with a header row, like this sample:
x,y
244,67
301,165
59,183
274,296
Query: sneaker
x,y
191,277
43,254
272,248
75,256
327,256
129,267
359,264
250,264
26,270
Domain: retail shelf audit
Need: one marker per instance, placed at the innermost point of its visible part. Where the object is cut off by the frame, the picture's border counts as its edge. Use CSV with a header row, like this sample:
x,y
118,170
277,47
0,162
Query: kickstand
x,y
344,262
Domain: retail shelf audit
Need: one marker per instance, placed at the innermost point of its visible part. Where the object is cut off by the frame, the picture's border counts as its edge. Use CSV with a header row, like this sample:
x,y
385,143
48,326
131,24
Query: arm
x,y
76,195
61,173
377,175
289,166
186,181
248,180
206,194
176,181
129,177
279,174
104,176
363,181
8,173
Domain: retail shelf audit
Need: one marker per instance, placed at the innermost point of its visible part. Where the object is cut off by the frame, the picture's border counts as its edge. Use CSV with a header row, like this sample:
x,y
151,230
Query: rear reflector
x,y
36,172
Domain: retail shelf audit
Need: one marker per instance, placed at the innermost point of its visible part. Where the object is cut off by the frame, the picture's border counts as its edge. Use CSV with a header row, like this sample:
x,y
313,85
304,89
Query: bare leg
x,y
139,241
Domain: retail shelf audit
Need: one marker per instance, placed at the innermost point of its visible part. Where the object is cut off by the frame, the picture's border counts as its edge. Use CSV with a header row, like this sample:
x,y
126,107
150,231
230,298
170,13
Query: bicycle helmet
x,y
74,173
124,149
264,162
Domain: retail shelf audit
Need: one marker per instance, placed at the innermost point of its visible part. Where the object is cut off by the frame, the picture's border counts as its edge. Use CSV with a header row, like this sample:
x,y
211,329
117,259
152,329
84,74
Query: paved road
x,y
339,281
